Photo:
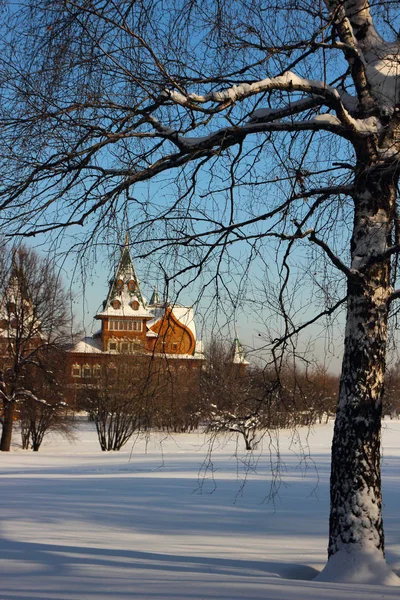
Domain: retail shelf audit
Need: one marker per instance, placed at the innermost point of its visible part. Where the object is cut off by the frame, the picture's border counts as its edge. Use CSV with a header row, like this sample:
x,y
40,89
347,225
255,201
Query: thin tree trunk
x,y
8,422
25,434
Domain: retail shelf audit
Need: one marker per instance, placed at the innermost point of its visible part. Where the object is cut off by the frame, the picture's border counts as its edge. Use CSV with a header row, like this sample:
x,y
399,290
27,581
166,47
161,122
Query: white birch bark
x,y
356,500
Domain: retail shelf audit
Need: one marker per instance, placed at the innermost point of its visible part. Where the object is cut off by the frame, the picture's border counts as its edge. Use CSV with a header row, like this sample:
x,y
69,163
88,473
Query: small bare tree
x,y
174,398
233,402
116,401
44,408
35,317
252,401
308,394
139,393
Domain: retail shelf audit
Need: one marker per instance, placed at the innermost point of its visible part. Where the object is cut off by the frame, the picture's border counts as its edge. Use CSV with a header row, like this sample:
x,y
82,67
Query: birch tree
x,y
278,122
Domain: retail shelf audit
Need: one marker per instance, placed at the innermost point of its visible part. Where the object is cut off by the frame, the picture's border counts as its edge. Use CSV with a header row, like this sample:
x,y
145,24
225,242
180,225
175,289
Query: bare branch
x,y
296,330
350,273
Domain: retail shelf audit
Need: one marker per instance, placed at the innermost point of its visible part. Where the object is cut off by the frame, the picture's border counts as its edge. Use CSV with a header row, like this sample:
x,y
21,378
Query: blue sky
x,y
254,321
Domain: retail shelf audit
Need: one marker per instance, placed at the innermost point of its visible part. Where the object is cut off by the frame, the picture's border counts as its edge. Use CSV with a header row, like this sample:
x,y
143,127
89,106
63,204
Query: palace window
x,y
96,371
125,325
116,304
112,370
135,305
76,370
131,285
86,371
112,346
125,347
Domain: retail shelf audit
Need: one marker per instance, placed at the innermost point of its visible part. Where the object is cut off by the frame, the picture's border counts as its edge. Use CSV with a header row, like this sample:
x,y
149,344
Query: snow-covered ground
x,y
162,520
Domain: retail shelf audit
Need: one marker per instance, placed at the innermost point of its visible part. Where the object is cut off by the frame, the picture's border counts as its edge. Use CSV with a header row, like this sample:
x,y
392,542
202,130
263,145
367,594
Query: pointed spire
x,y
155,298
125,286
238,352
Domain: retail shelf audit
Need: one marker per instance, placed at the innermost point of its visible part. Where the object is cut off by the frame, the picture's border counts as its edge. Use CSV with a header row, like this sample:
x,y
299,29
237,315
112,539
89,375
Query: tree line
x,y
140,393
145,394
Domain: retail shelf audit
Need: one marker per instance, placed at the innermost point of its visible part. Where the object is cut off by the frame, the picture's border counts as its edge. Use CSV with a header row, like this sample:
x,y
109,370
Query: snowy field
x,y
161,521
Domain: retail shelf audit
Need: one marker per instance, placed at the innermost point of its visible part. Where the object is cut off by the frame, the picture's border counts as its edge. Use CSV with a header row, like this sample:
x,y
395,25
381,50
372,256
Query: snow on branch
x,y
24,394
288,81
341,103
359,15
373,61
228,136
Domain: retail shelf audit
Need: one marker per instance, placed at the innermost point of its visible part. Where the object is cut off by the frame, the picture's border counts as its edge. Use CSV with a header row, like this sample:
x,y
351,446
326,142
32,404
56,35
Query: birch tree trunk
x,y
356,499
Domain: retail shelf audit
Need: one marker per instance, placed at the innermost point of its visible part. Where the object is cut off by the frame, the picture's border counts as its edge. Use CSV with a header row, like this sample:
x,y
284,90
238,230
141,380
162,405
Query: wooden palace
x,y
132,326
